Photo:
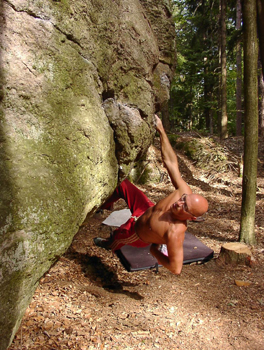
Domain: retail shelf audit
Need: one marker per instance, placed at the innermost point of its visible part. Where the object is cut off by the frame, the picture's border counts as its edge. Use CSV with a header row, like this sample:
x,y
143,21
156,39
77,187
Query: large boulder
x,y
79,85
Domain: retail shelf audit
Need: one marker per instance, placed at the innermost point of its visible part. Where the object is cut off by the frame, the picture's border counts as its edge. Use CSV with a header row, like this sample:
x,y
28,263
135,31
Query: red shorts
x,y
138,203
126,235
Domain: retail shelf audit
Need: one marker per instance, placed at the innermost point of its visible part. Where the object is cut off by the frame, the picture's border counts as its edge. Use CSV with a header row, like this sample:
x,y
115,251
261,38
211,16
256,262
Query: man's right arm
x,y
170,159
174,260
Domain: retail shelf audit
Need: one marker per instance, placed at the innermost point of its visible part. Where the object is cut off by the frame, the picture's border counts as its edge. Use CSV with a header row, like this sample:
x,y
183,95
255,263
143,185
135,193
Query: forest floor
x,y
89,301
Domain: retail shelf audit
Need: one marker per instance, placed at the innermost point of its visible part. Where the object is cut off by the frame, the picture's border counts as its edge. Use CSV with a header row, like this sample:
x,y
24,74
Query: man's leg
x,y
124,235
138,203
136,200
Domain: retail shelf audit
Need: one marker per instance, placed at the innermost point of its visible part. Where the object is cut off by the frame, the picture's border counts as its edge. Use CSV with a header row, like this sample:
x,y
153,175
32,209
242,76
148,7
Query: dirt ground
x,y
89,301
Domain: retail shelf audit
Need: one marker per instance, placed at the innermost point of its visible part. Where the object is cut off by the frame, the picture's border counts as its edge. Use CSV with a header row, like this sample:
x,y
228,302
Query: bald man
x,y
161,223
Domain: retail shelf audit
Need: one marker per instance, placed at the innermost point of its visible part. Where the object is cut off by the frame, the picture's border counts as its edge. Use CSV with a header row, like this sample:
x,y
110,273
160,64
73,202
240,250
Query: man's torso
x,y
155,223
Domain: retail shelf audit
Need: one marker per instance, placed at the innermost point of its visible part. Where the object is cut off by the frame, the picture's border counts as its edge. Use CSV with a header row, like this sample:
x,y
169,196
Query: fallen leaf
x,y
240,283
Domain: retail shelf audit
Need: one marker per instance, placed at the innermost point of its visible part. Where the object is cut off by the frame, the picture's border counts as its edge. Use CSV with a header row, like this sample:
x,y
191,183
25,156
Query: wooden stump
x,y
235,254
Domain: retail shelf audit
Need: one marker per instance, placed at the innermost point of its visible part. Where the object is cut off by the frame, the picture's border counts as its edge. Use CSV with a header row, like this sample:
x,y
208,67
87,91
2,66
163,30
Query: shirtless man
x,y
163,223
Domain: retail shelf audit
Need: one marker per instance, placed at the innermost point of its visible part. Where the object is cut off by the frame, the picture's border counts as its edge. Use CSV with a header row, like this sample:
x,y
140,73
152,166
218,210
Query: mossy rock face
x,y
61,152
149,169
132,133
56,163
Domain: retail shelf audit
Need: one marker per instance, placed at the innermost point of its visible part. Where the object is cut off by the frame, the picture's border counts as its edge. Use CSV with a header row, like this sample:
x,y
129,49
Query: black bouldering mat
x,y
135,259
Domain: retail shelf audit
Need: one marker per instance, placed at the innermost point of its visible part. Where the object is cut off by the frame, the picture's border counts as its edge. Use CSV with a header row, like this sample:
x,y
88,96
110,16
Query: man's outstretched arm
x,y
170,159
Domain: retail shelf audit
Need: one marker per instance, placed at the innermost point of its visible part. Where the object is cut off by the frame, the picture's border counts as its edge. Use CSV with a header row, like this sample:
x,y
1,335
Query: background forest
x,y
218,87
209,84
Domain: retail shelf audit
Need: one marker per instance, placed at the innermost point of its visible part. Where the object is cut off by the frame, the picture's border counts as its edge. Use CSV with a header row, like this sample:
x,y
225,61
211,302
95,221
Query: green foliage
x,y
195,89
173,139
192,149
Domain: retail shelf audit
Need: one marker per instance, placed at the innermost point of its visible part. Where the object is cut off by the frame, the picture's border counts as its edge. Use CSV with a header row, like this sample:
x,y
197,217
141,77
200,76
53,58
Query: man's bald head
x,y
197,204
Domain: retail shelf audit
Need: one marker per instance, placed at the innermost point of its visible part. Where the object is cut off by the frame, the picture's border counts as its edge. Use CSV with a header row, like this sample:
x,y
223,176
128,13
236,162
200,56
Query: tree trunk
x,y
211,127
219,76
261,102
260,13
235,253
206,95
224,132
239,74
247,229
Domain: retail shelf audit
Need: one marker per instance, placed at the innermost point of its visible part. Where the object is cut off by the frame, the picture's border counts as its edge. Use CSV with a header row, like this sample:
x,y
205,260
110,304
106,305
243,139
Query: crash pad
x,y
135,259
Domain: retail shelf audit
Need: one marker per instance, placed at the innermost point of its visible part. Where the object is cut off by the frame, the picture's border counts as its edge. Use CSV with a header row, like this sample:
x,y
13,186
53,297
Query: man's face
x,y
181,207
